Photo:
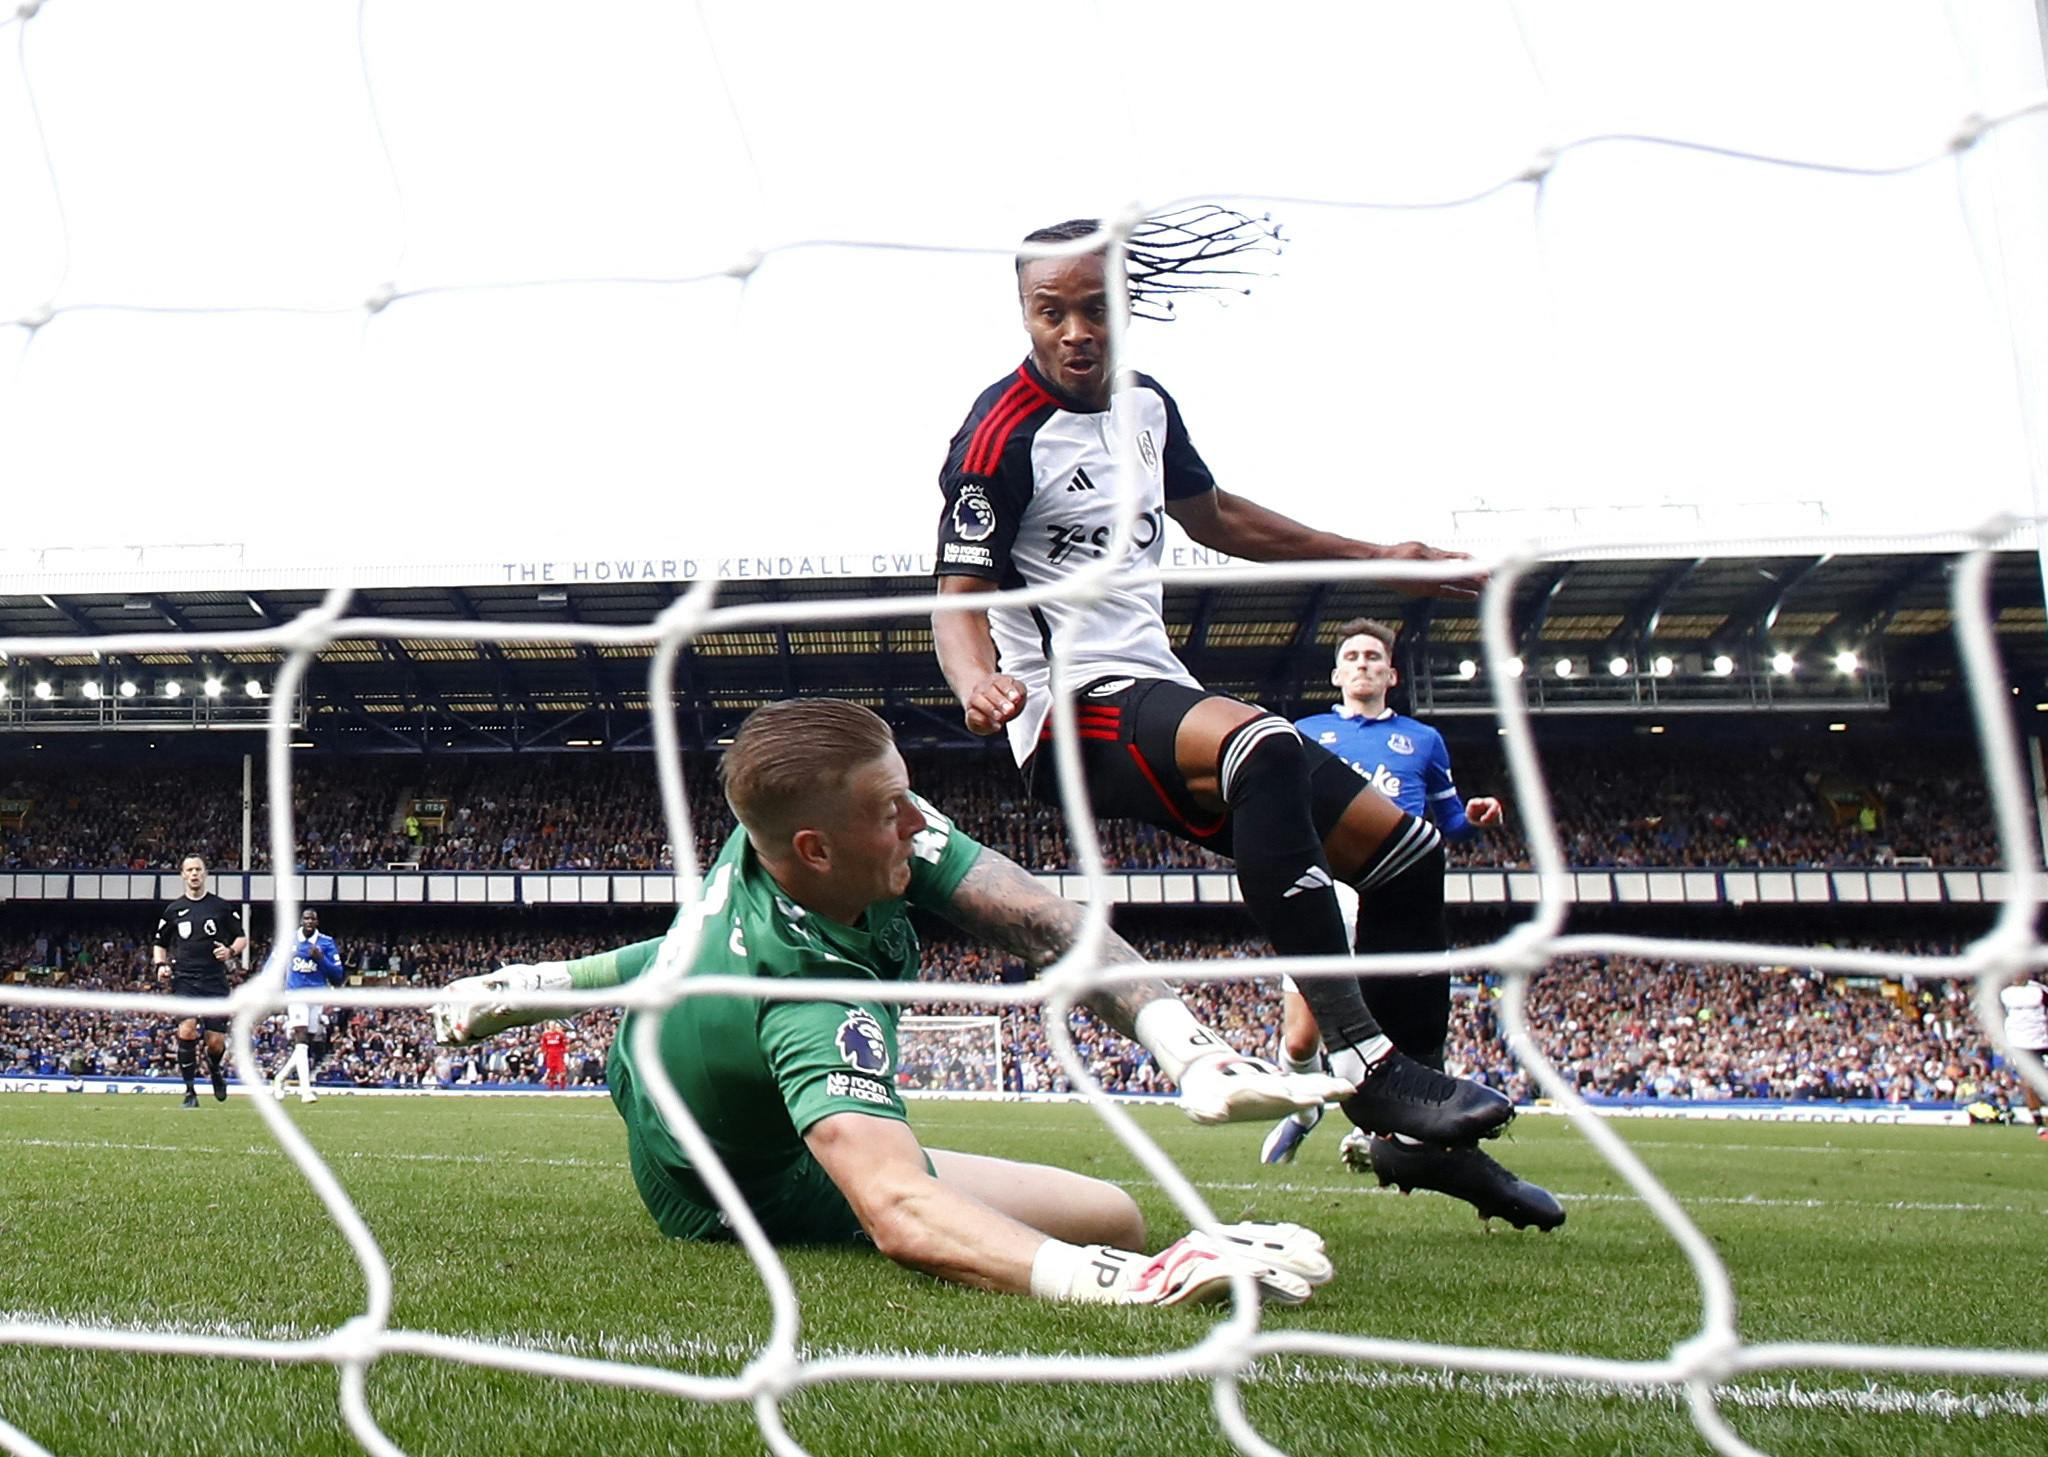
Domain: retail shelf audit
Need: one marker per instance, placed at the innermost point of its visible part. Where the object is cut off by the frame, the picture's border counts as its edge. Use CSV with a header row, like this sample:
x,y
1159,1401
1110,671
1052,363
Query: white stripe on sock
x,y
1415,843
1250,735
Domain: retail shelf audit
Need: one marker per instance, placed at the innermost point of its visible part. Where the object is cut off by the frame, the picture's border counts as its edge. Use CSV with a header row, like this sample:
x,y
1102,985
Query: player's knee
x,y
1412,854
1300,1040
1262,756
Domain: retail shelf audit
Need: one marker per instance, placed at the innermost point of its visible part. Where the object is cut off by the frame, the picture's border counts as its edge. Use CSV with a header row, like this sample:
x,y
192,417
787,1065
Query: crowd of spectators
x,y
1627,807
1619,1027
1617,805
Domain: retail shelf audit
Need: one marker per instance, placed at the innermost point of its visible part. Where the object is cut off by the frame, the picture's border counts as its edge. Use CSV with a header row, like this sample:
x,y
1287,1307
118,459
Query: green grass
x,y
516,1220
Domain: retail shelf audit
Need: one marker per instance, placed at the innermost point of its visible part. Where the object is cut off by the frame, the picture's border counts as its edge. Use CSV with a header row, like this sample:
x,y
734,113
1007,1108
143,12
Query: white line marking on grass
x,y
1755,1201
104,1143
370,1155
1752,1200
1869,1399
1817,1148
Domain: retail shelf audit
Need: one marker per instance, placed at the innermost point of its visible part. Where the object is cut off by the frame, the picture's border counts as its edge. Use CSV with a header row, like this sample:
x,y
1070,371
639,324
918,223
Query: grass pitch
x,y
515,1219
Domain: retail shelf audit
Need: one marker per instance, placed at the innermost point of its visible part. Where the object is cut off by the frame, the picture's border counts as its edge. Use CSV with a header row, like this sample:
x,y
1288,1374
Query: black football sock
x,y
1404,911
1281,869
188,1060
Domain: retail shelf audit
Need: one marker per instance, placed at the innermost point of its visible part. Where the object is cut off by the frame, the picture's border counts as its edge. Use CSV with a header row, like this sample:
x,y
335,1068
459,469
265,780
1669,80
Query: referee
x,y
196,938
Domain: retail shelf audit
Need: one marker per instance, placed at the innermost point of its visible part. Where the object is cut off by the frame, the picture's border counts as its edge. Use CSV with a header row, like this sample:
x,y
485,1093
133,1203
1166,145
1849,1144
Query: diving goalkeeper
x,y
799,1097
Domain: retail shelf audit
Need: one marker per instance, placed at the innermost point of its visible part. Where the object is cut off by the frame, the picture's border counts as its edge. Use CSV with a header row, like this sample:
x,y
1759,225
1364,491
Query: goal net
x,y
942,1055
686,324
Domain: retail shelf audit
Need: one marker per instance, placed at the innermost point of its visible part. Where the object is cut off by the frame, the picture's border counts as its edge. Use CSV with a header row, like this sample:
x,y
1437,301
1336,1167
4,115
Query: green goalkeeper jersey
x,y
757,1072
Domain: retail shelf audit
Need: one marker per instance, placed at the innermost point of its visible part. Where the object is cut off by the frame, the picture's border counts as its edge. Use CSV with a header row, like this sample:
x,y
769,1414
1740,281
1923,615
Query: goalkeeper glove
x,y
1226,1087
477,1016
1285,1261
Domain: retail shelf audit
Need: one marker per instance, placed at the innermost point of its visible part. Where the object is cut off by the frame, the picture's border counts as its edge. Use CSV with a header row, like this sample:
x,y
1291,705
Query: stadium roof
x,y
1269,642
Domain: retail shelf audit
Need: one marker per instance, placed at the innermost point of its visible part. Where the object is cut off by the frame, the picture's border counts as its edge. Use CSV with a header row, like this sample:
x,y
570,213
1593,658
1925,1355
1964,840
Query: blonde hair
x,y
789,758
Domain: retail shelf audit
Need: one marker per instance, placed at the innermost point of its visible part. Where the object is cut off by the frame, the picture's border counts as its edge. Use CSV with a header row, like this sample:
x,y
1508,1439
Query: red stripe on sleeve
x,y
986,449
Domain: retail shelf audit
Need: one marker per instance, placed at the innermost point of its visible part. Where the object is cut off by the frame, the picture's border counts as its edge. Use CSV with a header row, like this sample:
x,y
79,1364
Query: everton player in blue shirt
x,y
316,963
1406,761
1402,758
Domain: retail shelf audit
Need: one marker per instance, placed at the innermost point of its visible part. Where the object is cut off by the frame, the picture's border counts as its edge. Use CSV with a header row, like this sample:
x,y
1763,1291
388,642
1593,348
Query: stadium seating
x,y
1622,1028
1619,805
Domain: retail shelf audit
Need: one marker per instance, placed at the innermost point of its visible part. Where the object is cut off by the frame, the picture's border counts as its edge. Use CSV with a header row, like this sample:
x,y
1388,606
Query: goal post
x,y
939,1057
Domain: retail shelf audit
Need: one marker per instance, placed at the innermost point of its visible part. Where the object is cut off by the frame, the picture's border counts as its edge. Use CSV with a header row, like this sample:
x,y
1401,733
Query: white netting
x,y
1716,1353
939,1054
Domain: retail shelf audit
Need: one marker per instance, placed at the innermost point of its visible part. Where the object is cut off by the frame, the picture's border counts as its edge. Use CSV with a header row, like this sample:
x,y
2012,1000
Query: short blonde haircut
x,y
790,761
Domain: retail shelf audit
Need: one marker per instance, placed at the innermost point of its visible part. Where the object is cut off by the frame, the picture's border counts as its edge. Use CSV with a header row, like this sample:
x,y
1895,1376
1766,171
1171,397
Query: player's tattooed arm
x,y
1002,904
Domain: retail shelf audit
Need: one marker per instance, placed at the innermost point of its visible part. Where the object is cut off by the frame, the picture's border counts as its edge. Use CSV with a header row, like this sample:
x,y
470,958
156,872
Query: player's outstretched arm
x,y
1243,527
922,1223
989,697
473,1012
913,1218
999,902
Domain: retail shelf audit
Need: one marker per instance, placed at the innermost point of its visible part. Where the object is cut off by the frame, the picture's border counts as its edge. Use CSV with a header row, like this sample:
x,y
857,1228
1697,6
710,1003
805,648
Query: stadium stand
x,y
1621,1029
395,775
1620,804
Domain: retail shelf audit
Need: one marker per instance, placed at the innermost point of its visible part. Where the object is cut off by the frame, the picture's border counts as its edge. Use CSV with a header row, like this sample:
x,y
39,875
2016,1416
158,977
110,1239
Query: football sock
x,y
1401,908
1313,1063
188,1060
1281,870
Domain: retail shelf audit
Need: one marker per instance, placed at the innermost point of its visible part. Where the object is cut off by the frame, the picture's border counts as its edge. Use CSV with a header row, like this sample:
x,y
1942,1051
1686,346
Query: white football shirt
x,y
1032,484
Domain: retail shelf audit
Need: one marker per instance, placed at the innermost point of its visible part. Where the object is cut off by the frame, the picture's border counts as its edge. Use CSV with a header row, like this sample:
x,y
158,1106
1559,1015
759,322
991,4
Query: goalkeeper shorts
x,y
800,1206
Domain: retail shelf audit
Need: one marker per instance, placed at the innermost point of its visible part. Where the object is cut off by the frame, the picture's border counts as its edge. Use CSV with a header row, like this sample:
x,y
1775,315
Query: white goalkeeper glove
x,y
479,1017
1285,1261
1227,1087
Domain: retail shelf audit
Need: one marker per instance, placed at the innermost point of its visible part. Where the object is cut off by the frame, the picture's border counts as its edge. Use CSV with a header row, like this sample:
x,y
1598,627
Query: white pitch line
x,y
1753,1201
1023,1119
1869,1399
1749,1200
1822,1148
264,1151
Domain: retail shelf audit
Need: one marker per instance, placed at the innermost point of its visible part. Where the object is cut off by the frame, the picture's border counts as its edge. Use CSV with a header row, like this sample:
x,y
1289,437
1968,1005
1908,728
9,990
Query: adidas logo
x,y
1080,482
1313,878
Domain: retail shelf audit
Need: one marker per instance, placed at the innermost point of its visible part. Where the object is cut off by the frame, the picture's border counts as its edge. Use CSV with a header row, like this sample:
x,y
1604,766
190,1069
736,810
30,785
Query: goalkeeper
x,y
799,1097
